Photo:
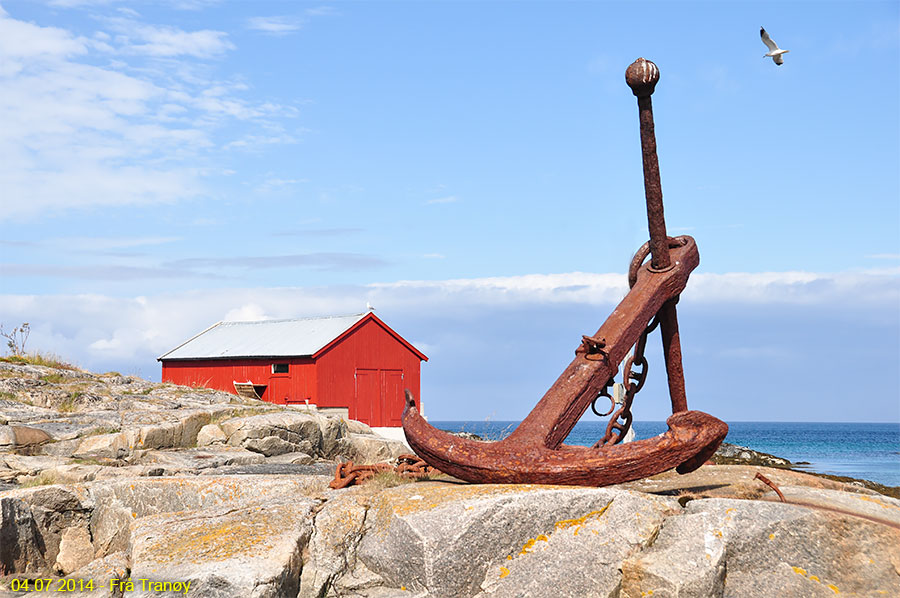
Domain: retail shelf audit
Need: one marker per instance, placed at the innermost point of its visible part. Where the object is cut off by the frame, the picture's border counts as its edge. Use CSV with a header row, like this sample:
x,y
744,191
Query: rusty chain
x,y
620,422
408,466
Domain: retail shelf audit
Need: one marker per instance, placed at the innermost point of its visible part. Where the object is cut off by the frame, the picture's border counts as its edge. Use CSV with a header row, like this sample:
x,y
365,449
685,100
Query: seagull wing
x,y
778,59
772,46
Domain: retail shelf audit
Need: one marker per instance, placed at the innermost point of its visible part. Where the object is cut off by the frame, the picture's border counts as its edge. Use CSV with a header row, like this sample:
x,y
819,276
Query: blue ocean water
x,y
859,450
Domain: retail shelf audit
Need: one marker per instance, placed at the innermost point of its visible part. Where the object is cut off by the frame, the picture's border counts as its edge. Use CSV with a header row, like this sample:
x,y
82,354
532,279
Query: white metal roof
x,y
268,338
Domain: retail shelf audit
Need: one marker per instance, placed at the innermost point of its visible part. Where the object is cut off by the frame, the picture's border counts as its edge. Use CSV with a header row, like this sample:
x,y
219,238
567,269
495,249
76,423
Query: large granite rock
x,y
32,522
297,432
331,553
369,448
211,434
21,437
507,539
253,551
846,543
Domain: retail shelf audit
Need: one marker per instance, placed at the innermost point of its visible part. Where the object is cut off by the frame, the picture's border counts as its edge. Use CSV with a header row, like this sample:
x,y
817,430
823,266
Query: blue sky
x,y
473,170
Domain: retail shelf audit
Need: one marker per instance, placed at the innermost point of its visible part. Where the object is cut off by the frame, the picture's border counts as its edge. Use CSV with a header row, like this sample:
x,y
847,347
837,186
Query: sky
x,y
472,170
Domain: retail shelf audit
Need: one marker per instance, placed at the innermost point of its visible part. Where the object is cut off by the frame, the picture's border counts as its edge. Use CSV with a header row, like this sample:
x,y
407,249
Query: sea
x,y
868,451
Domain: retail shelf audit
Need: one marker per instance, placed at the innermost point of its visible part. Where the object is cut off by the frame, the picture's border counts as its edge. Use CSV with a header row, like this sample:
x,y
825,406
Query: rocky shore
x,y
112,486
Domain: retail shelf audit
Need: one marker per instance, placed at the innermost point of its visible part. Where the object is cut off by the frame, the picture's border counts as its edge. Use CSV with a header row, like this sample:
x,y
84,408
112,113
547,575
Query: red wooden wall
x,y
361,371
221,374
366,370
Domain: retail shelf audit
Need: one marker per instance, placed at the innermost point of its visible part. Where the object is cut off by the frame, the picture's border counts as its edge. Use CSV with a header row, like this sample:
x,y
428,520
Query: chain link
x,y
620,422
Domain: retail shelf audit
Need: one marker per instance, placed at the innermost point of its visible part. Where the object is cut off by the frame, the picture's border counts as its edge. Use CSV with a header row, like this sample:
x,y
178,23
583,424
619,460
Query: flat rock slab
x,y
732,481
279,469
226,552
151,496
874,507
195,459
119,502
31,465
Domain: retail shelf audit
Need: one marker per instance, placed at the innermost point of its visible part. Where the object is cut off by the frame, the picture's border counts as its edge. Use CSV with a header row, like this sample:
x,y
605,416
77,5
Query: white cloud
x,y
574,287
104,332
20,41
171,41
798,288
275,25
132,36
250,312
78,135
795,288
322,11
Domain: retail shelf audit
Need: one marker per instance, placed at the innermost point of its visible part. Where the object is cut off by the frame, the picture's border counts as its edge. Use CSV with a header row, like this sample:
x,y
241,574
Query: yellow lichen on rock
x,y
815,578
216,539
529,546
579,523
878,502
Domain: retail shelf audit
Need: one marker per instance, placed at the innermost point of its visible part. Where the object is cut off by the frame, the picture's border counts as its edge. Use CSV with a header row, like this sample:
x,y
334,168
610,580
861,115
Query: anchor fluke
x,y
691,434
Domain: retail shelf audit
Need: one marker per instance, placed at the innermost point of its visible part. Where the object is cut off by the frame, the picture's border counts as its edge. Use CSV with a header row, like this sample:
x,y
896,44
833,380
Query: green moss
x,y
99,431
144,392
70,403
42,479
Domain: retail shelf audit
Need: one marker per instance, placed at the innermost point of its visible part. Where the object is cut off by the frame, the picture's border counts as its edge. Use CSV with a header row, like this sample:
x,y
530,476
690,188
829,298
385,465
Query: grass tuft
x,y
45,359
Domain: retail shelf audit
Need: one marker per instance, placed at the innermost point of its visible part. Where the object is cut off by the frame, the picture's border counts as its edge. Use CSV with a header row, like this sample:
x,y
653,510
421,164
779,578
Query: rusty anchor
x,y
534,452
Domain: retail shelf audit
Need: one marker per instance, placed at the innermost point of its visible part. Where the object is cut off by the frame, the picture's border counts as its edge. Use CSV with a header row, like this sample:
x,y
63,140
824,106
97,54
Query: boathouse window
x,y
279,368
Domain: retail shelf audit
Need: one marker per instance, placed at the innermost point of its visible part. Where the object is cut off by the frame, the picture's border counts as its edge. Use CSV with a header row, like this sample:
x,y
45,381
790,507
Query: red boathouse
x,y
356,362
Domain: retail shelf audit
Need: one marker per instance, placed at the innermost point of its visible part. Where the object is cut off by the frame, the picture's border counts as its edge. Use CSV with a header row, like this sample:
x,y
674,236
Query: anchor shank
x,y
656,222
642,76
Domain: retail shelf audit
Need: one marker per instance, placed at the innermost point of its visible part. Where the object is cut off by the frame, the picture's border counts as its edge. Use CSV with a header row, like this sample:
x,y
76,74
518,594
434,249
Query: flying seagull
x,y
774,51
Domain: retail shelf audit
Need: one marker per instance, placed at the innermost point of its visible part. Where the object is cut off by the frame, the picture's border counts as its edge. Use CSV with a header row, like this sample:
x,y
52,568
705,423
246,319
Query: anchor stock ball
x,y
642,76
